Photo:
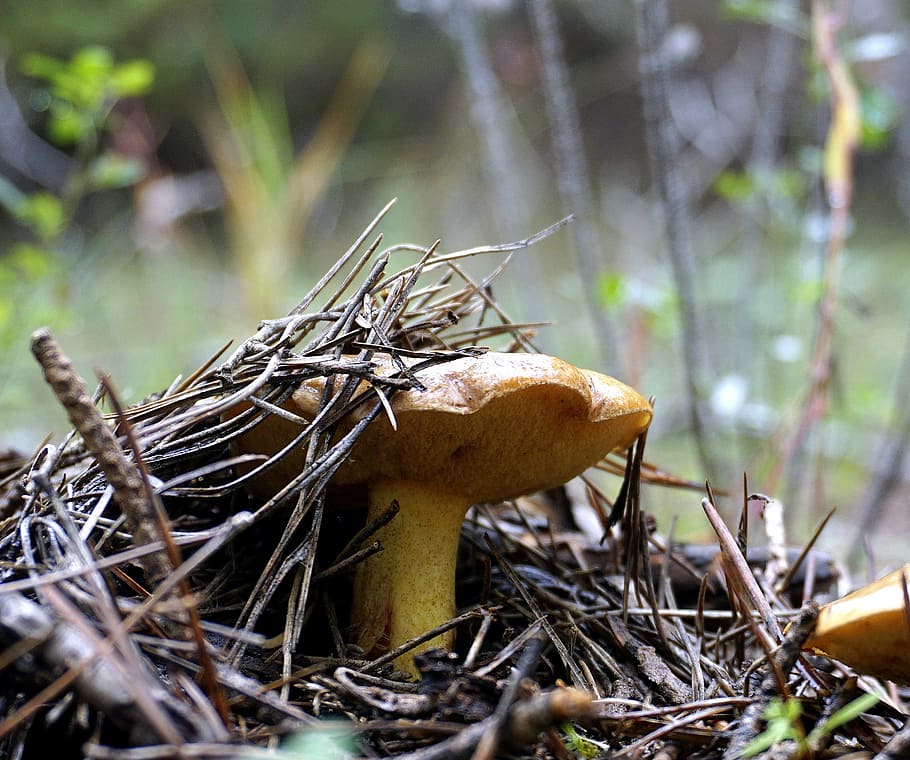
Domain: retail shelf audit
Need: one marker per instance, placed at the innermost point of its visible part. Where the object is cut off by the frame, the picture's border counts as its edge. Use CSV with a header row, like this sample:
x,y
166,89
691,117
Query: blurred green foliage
x,y
270,189
81,91
781,192
32,291
880,117
41,212
767,12
78,96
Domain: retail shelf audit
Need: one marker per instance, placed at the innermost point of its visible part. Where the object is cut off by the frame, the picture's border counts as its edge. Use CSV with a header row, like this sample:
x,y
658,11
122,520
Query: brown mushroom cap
x,y
492,427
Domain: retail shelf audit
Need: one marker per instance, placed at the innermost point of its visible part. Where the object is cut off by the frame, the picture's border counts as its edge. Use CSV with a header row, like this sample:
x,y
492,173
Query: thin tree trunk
x,y
892,453
762,161
572,177
651,24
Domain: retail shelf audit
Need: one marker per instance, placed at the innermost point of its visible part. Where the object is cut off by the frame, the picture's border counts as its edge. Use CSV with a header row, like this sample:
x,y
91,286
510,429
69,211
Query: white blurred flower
x,y
787,348
729,395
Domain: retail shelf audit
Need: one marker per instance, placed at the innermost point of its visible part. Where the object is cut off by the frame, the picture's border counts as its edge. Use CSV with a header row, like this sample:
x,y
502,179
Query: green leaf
x,y
785,710
82,90
132,78
93,62
67,125
42,66
111,170
43,213
80,81
782,717
880,116
736,187
848,712
613,290
30,263
579,744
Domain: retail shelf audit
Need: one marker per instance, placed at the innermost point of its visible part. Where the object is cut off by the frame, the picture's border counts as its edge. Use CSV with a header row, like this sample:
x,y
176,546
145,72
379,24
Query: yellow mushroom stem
x,y
409,587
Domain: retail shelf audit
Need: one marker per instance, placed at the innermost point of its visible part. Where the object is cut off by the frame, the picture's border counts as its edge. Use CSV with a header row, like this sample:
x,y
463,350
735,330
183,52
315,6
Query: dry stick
x,y
326,461
270,328
99,679
129,491
525,721
898,747
566,656
304,559
317,447
407,646
482,291
635,748
195,751
734,556
509,649
349,562
121,651
314,477
442,260
572,175
217,537
488,745
194,621
652,24
777,566
479,638
782,661
840,147
805,552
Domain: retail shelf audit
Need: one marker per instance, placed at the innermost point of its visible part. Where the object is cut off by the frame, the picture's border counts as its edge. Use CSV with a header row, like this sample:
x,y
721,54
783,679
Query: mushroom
x,y
869,629
482,429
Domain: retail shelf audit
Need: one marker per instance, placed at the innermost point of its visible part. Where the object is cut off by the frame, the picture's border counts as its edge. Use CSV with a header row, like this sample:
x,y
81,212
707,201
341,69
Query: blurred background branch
x,y
652,24
570,166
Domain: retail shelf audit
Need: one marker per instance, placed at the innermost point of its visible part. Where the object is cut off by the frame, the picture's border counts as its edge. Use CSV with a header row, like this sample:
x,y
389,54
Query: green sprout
x,y
783,723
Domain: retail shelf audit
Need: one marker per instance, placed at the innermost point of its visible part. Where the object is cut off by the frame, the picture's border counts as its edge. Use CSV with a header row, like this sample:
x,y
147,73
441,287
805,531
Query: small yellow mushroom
x,y
869,629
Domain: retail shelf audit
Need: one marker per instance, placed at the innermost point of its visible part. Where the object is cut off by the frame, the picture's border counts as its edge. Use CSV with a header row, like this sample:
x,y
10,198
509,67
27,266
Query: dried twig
x,y
523,723
129,490
840,147
100,680
767,685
